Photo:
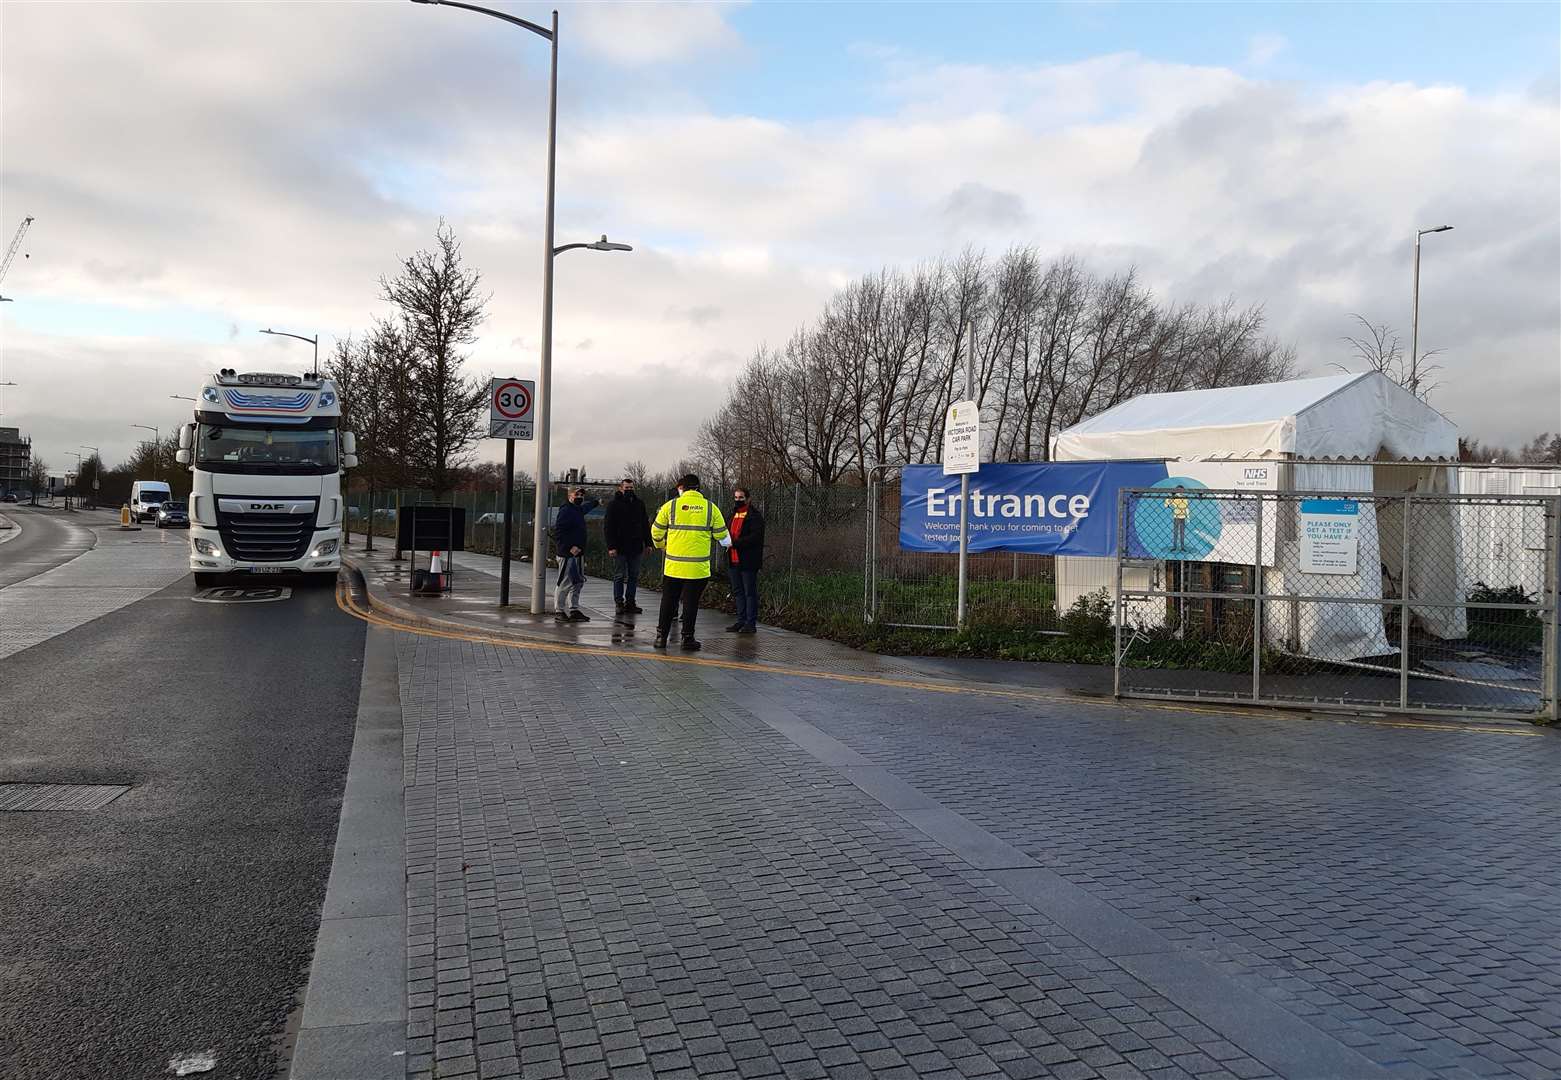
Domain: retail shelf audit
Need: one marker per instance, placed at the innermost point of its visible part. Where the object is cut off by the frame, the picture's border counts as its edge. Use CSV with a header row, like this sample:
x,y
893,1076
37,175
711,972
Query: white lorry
x,y
267,457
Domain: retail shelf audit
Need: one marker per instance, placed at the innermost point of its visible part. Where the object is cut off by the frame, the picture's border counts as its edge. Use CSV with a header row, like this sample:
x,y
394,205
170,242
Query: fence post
x,y
1120,604
791,569
1257,606
868,546
1552,638
1404,613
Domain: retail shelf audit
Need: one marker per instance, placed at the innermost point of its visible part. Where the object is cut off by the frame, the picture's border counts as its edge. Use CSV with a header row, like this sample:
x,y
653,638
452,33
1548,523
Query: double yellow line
x,y
347,603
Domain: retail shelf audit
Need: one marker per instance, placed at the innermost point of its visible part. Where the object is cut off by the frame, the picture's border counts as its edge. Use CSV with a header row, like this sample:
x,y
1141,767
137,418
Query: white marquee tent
x,y
1398,444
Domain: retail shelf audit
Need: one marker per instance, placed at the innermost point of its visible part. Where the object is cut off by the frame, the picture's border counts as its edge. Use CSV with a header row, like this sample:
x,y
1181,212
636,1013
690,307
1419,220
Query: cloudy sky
x,y
199,171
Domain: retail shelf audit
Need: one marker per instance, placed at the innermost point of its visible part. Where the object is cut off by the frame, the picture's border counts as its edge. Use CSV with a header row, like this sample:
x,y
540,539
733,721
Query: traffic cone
x,y
436,572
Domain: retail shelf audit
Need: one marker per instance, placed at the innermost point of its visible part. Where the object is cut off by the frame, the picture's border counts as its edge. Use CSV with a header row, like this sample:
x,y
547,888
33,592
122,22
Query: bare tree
x,y
441,308
1378,348
870,382
38,477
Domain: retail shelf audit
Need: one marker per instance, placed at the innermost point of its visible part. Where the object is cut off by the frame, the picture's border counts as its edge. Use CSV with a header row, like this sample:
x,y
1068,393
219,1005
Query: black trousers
x,y
686,591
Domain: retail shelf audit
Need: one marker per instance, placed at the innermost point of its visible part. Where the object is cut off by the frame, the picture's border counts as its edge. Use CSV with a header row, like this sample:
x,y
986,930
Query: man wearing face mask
x,y
569,543
746,525
626,529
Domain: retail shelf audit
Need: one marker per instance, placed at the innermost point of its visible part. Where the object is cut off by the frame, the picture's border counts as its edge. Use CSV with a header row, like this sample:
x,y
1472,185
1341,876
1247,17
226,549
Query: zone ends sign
x,y
510,408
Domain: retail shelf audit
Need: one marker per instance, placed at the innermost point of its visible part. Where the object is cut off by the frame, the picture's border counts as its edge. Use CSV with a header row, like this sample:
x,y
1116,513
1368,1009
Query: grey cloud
x,y
699,315
975,204
123,273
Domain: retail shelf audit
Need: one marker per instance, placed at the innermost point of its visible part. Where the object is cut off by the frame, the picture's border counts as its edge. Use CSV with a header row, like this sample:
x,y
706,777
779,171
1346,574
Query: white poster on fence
x,y
1231,531
1330,536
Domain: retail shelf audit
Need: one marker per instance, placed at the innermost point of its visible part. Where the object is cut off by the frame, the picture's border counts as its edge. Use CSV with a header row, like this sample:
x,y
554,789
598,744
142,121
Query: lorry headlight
x,y
210,394
204,547
323,548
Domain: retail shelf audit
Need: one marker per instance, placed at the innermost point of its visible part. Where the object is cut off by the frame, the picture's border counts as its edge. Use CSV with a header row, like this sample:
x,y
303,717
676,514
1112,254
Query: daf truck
x,y
267,457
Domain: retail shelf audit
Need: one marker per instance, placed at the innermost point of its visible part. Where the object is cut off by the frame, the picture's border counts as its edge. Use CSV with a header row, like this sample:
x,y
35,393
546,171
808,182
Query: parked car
x,y
10,496
494,518
173,515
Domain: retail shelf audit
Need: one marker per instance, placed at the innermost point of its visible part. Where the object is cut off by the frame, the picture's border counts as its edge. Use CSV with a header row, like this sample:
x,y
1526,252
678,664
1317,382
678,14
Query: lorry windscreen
x,y
242,449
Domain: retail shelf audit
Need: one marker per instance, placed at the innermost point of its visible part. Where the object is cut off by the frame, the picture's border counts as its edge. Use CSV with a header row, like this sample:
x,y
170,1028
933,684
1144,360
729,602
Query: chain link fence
x,y
1005,590
1399,602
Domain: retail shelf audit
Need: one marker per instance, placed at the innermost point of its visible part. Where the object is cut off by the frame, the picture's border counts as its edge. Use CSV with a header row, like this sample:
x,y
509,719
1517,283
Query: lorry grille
x,y
265,537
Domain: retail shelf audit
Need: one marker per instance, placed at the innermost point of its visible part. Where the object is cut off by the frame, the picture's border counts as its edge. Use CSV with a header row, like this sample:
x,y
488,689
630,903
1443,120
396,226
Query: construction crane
x,y
16,243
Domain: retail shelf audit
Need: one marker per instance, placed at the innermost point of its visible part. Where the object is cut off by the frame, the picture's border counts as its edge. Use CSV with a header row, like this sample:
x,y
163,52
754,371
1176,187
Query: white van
x,y
145,497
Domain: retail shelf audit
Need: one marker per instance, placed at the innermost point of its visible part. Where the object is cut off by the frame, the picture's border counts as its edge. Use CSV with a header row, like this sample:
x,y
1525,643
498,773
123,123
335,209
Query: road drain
x,y
15,798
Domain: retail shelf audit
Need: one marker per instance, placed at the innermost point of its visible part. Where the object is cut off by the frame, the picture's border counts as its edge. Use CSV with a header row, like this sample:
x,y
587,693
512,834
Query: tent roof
x,y
1216,408
1361,415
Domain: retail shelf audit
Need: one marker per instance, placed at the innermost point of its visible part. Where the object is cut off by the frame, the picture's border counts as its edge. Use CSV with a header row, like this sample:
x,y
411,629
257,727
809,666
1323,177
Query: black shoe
x,y
690,645
747,629
633,609
734,628
660,642
578,616
561,616
619,604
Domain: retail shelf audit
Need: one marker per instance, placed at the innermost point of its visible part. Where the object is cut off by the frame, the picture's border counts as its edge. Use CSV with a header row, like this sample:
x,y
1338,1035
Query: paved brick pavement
x,y
1393,887
629,868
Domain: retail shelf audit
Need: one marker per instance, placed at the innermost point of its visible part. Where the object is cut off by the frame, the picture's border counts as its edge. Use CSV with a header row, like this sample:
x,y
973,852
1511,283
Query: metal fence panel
x,y
920,589
1402,602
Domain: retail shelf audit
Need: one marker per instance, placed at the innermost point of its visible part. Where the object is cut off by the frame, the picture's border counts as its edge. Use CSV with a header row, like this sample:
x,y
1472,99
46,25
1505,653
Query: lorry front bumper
x,y
208,557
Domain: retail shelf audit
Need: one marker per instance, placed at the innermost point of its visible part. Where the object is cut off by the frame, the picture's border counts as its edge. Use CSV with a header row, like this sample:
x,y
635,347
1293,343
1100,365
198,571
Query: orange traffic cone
x,y
436,572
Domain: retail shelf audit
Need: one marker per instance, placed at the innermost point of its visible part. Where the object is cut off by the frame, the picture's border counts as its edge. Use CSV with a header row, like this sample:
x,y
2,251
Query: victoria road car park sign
x,y
510,405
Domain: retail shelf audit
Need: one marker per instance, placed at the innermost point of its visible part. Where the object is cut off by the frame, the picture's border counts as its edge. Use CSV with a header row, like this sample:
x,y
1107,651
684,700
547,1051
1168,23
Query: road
x,y
47,538
179,918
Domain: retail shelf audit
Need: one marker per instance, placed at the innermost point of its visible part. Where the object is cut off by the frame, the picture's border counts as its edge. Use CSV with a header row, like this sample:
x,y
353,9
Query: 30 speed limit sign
x,y
510,404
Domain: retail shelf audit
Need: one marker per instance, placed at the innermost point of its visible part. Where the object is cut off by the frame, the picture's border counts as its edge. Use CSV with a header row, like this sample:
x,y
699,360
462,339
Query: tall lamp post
x,y
97,473
157,444
1414,325
181,397
70,483
315,341
545,376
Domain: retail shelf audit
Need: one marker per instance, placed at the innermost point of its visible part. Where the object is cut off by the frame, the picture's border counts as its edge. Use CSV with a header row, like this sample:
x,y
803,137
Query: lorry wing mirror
x,y
349,443
349,461
186,436
182,456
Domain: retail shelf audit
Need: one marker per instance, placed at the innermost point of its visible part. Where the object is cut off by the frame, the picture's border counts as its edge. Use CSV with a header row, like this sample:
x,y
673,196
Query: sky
x,y
200,171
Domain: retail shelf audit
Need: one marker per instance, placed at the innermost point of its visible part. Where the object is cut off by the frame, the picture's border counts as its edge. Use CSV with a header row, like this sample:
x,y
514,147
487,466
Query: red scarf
x,y
735,527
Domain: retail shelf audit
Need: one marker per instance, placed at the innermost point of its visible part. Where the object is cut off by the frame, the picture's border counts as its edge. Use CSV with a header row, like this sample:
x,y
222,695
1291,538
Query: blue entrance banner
x,y
1053,508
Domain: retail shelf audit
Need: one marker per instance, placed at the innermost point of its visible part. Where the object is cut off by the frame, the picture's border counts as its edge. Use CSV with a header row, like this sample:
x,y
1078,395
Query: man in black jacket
x,y
626,529
569,540
746,525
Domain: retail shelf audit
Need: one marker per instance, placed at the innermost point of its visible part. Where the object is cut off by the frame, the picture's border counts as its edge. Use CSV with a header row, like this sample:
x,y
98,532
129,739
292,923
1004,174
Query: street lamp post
x,y
545,375
1414,325
315,341
181,397
69,482
97,473
157,444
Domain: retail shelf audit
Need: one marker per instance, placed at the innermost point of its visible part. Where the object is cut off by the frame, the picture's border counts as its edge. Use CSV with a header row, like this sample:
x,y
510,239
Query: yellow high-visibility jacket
x,y
683,529
1178,505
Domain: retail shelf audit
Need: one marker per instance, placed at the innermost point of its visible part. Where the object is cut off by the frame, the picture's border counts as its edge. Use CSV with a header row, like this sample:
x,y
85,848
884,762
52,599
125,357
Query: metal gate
x,y
1353,601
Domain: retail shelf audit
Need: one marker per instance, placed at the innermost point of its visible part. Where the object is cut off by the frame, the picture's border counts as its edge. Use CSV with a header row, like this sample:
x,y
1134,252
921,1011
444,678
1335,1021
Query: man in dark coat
x,y
626,528
746,525
569,541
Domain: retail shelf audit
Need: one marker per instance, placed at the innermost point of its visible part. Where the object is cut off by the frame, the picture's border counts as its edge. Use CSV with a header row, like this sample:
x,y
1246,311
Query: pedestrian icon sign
x,y
510,405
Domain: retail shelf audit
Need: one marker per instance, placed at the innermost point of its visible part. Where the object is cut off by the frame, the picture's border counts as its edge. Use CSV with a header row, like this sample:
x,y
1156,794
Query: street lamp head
x,y
606,245
1438,228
